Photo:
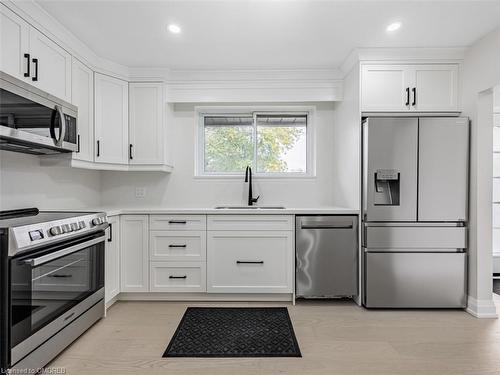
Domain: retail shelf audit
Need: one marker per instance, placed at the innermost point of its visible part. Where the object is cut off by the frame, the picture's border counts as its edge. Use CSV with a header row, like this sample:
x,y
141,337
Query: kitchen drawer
x,y
178,276
250,222
178,222
250,262
418,237
182,245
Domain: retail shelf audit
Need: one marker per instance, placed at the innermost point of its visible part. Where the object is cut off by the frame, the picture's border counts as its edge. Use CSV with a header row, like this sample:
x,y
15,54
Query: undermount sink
x,y
249,208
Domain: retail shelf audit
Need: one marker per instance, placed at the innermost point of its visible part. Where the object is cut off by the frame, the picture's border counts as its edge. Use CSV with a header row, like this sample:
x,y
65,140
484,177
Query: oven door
x,y
51,287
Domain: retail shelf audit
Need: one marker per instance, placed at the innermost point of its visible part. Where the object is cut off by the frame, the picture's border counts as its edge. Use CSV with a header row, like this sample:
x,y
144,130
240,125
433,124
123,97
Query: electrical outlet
x,y
140,192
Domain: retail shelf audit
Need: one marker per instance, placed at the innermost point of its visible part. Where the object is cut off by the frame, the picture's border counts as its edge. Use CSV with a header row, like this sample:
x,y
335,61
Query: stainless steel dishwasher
x,y
326,256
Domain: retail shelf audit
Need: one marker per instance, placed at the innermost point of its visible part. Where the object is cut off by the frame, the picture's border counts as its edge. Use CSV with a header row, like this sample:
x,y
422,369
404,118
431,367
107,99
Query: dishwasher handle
x,y
327,226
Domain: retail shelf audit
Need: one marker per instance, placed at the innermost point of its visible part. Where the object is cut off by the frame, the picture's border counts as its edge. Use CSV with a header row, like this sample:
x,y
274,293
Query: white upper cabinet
x,y
146,135
14,38
409,88
83,97
29,55
384,87
435,88
50,65
111,119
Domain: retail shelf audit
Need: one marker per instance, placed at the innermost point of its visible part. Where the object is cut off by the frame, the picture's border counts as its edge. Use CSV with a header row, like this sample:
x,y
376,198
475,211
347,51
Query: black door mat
x,y
234,332
496,286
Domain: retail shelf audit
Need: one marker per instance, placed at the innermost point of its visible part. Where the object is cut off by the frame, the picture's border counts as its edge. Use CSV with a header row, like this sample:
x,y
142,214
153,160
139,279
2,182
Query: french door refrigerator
x,y
414,211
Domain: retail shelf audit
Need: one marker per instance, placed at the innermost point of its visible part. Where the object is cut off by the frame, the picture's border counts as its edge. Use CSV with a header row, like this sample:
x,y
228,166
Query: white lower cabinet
x,y
178,245
178,276
250,261
112,259
134,235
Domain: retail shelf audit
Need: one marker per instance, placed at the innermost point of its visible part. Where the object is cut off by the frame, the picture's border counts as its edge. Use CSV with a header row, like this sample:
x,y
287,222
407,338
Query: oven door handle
x,y
35,262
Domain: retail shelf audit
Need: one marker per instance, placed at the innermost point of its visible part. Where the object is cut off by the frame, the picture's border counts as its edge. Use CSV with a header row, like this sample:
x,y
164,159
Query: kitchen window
x,y
274,144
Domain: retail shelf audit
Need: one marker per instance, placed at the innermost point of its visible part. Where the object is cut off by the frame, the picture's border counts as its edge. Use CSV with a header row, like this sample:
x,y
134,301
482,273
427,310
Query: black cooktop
x,y
17,218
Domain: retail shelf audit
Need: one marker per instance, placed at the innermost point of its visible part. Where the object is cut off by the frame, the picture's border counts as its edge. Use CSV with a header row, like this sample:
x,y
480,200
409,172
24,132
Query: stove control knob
x,y
74,226
66,228
81,224
97,221
55,231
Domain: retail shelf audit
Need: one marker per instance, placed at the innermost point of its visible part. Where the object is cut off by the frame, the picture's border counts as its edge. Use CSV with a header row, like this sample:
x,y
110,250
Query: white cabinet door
x,y
83,97
435,88
250,261
134,253
385,88
146,135
112,259
51,66
14,39
111,119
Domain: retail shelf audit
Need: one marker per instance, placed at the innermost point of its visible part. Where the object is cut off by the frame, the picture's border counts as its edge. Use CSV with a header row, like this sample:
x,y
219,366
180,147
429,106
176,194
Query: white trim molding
x,y
484,308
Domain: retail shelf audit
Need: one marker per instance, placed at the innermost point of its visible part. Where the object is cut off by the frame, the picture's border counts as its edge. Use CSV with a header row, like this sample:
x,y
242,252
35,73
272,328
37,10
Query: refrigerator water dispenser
x,y
387,187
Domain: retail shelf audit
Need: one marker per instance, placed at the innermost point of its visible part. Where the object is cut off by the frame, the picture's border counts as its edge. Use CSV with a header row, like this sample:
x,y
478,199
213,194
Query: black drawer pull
x,y
177,222
172,245
60,276
69,316
110,238
249,262
178,277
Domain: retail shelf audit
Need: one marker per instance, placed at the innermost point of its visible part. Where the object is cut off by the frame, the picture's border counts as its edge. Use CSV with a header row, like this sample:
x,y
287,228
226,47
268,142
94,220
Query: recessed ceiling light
x,y
174,29
393,26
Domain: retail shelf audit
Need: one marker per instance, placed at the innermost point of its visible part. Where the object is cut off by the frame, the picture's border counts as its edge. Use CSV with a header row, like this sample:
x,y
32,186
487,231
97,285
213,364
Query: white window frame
x,y
201,112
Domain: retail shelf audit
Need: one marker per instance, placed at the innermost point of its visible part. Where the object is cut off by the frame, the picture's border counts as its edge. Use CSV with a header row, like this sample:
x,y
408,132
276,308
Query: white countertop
x,y
112,211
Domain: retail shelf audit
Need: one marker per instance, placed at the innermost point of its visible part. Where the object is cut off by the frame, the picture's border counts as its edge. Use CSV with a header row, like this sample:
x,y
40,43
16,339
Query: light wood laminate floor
x,y
334,337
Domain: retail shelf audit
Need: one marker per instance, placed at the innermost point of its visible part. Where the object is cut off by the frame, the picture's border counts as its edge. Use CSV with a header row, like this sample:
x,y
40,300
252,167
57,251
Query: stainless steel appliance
x,y
326,256
34,122
414,211
52,283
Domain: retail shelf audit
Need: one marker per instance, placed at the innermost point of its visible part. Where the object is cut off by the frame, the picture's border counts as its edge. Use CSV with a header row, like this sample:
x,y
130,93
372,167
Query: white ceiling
x,y
266,34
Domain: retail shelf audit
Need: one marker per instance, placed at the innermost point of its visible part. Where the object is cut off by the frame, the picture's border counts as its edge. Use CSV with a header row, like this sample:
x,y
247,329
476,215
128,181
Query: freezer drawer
x,y
326,256
415,280
415,238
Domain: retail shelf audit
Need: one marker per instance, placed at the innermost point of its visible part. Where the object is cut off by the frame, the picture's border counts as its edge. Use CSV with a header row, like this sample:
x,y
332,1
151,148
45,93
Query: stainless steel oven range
x,y
52,283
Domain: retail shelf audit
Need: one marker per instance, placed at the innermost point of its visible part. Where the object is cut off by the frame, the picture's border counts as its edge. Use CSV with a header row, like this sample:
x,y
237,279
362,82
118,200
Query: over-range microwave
x,y
33,121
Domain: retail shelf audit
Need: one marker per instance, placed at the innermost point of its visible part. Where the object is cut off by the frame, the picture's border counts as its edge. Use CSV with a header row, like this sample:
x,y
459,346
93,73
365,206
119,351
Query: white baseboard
x,y
205,297
484,308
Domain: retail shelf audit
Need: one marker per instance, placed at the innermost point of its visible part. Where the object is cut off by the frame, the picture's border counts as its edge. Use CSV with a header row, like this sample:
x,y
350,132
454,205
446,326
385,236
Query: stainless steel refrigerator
x,y
414,212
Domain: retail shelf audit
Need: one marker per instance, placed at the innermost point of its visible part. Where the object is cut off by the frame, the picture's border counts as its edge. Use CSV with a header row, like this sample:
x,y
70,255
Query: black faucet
x,y
248,178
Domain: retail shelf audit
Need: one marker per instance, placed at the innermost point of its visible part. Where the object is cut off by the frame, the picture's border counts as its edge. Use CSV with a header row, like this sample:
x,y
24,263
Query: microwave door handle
x,y
35,262
62,132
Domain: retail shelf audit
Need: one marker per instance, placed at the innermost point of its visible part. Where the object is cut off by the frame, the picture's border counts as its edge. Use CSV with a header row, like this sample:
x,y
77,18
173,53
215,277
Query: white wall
x,y
481,71
182,189
24,183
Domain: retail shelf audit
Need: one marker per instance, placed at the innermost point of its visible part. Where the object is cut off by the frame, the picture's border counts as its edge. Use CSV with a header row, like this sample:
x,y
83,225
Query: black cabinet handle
x,y
78,143
414,91
60,276
28,63
35,78
177,222
130,156
249,262
407,96
98,148
110,238
178,277
182,246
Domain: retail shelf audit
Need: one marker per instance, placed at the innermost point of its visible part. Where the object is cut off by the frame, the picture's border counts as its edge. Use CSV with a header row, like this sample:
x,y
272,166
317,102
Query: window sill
x,y
256,177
